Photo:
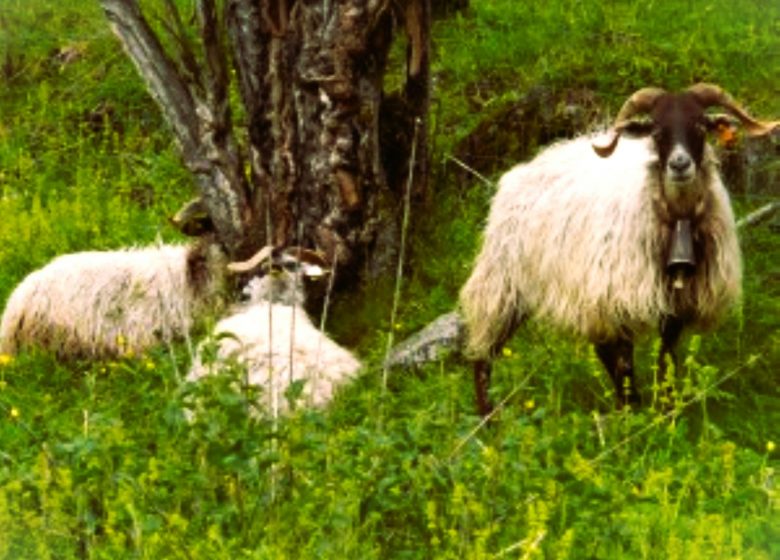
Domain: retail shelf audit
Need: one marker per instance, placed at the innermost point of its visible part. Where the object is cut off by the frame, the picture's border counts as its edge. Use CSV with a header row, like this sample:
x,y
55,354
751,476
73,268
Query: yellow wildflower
x,y
507,352
5,359
14,412
770,446
529,404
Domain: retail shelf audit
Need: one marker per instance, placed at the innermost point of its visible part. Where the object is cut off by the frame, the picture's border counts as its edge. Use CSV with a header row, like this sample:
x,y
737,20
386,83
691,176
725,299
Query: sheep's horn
x,y
605,150
641,101
709,95
253,262
193,218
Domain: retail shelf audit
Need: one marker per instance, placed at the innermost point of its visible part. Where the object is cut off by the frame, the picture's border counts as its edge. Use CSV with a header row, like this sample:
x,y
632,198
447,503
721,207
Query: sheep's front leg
x,y
671,330
484,367
482,371
618,359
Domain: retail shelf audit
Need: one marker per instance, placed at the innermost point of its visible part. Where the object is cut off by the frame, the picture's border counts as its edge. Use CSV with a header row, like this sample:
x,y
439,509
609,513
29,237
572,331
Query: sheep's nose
x,y
679,163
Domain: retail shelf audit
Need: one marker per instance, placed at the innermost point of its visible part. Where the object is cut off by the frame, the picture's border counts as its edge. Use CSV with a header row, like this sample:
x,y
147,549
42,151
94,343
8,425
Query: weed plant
x,y
108,459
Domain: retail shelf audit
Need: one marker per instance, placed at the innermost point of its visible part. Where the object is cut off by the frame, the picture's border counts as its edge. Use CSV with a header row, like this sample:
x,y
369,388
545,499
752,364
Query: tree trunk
x,y
302,165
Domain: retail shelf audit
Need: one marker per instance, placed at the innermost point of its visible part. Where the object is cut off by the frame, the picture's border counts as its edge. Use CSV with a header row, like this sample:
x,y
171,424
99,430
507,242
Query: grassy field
x,y
97,460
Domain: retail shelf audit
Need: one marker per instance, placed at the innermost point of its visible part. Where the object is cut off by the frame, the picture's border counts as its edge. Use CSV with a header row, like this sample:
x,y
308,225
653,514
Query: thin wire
x,y
471,170
323,320
696,398
465,439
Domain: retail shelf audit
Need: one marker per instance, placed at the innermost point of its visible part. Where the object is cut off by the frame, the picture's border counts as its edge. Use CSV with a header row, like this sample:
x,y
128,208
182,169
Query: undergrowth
x,y
106,460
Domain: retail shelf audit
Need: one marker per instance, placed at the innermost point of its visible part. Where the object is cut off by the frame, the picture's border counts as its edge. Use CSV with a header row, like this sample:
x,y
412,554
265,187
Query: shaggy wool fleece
x,y
107,303
580,241
278,345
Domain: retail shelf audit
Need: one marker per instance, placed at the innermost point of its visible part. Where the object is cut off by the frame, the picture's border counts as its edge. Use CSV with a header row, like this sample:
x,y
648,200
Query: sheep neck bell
x,y
681,262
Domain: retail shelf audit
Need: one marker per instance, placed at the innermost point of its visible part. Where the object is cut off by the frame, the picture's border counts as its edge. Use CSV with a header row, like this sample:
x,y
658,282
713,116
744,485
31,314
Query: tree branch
x,y
158,71
249,46
177,31
216,65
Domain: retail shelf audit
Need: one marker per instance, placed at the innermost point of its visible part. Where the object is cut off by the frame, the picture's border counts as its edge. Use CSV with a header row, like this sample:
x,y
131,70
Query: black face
x,y
679,134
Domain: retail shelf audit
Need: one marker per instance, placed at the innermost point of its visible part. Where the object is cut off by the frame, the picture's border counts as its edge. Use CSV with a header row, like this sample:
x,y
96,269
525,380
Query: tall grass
x,y
99,460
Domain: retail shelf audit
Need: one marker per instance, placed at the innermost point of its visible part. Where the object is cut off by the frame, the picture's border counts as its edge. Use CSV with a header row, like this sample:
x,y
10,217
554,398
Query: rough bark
x,y
201,125
417,90
303,165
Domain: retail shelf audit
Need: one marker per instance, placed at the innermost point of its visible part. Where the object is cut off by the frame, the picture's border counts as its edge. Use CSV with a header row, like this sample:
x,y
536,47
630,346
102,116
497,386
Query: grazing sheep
x,y
109,303
609,244
275,340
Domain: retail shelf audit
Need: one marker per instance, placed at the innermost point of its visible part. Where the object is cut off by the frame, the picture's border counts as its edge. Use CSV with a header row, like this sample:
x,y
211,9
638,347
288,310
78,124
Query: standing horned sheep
x,y
274,339
609,244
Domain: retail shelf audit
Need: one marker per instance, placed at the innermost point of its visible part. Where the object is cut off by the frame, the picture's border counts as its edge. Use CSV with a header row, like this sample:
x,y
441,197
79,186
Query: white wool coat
x,y
581,241
278,345
108,303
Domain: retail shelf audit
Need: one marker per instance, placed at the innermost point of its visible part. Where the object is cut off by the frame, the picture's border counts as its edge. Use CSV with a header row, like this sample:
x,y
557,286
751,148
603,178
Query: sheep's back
x,y
275,354
102,302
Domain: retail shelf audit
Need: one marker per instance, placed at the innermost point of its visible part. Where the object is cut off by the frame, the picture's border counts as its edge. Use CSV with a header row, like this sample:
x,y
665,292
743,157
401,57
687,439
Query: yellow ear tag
x,y
727,135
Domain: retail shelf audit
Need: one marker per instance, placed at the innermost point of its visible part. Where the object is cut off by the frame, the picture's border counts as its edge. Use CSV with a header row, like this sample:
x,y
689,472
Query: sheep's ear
x,y
632,129
638,128
313,270
193,219
308,262
641,102
308,256
313,264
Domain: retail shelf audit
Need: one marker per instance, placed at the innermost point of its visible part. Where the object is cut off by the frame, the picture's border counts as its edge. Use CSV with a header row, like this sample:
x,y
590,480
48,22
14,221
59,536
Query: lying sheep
x,y
109,303
609,244
275,340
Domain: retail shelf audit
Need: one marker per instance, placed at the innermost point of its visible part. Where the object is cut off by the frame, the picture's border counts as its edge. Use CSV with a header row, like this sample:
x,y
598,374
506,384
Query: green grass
x,y
99,460
503,48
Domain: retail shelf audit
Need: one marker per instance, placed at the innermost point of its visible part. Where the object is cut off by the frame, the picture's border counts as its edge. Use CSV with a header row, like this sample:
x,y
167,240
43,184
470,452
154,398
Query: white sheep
x,y
109,303
587,242
273,338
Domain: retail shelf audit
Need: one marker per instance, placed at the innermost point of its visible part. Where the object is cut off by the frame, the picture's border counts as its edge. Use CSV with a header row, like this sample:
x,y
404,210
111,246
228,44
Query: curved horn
x,y
641,101
193,219
709,94
253,262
